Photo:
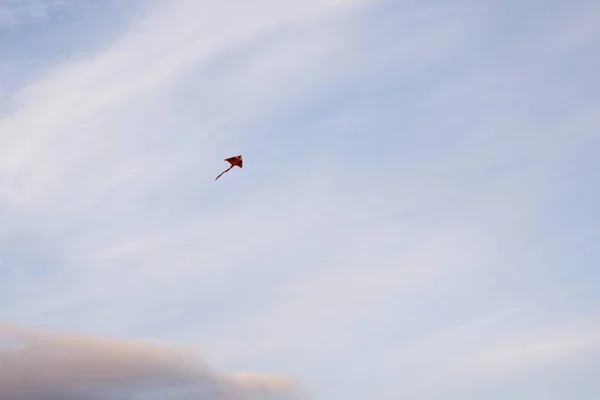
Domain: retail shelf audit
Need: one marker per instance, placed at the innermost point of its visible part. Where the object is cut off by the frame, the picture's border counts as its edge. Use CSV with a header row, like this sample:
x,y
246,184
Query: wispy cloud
x,y
16,12
544,348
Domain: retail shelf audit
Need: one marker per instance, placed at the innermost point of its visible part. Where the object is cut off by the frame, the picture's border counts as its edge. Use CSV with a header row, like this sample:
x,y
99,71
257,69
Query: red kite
x,y
234,161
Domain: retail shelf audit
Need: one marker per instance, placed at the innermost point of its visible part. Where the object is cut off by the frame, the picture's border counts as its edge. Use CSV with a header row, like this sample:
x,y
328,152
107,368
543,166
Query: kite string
x,y
224,172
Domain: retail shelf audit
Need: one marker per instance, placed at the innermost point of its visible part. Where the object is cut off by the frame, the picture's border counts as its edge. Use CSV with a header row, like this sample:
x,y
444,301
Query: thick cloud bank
x,y
41,365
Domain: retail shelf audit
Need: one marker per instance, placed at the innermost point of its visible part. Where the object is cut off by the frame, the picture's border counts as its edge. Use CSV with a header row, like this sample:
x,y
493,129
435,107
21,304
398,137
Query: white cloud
x,y
17,12
519,356
539,349
81,96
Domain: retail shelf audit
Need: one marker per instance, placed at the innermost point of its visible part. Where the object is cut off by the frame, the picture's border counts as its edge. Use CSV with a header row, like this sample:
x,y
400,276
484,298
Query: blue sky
x,y
416,216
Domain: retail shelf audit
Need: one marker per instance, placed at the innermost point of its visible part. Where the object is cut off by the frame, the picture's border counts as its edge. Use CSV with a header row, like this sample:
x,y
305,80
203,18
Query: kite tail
x,y
223,172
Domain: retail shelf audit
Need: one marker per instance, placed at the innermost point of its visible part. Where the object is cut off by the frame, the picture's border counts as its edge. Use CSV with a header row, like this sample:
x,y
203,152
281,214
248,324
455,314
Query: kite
x,y
234,161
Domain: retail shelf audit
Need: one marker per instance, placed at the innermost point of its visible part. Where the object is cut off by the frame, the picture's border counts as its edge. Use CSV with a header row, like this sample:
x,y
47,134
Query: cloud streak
x,y
17,12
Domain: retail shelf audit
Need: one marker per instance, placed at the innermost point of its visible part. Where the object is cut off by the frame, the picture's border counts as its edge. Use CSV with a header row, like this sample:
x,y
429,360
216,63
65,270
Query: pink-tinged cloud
x,y
41,365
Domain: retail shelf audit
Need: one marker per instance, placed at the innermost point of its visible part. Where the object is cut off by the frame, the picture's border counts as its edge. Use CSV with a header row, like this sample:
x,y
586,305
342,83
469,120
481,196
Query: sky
x,y
416,216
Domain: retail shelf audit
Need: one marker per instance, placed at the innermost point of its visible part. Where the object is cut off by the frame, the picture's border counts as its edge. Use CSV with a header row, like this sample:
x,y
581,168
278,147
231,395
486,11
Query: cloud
x,y
17,12
160,47
37,364
535,350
